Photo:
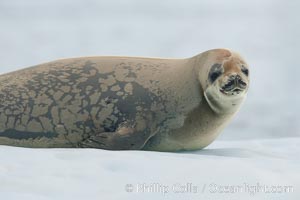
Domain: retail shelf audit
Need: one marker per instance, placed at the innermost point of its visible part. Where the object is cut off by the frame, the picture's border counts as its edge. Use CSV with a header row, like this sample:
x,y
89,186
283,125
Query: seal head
x,y
227,81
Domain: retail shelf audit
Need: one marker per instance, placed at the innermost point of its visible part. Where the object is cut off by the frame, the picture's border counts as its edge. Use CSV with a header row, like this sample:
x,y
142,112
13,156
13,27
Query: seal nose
x,y
236,78
235,83
229,85
239,82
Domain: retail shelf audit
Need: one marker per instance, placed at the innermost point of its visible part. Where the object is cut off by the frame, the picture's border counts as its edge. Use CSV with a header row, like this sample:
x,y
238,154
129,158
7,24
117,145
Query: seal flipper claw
x,y
122,139
91,144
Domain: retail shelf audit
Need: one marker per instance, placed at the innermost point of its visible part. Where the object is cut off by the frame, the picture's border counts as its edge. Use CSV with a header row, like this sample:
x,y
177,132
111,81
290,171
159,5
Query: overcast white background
x,y
265,32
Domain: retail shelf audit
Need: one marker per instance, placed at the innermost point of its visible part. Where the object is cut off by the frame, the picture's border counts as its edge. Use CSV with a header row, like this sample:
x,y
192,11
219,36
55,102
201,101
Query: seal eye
x,y
213,76
215,72
245,70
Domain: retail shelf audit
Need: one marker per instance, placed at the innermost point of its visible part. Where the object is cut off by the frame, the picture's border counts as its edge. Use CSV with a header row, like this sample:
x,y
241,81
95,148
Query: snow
x,y
261,145
99,174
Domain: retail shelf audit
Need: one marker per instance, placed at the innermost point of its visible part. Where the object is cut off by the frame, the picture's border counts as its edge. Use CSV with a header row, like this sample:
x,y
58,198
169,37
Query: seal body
x,y
118,103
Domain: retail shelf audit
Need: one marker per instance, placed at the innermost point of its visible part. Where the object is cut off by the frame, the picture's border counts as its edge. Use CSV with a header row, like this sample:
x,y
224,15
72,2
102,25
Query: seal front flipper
x,y
126,137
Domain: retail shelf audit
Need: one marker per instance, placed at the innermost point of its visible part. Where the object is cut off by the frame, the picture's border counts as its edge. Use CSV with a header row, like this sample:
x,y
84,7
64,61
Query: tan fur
x,y
119,102
203,124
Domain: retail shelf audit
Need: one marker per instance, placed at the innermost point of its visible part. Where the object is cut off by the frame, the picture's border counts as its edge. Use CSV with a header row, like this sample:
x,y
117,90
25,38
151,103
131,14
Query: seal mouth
x,y
234,91
235,85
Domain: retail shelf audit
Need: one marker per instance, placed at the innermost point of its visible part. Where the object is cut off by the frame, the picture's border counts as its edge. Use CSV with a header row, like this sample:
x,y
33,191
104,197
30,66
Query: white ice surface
x,y
261,145
46,174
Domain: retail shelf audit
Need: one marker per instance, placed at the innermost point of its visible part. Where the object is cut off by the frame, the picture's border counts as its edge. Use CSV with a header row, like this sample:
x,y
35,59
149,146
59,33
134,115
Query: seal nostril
x,y
229,85
230,82
242,83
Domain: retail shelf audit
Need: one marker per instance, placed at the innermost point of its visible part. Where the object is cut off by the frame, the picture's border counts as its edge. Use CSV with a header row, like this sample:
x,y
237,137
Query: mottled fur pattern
x,y
107,102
